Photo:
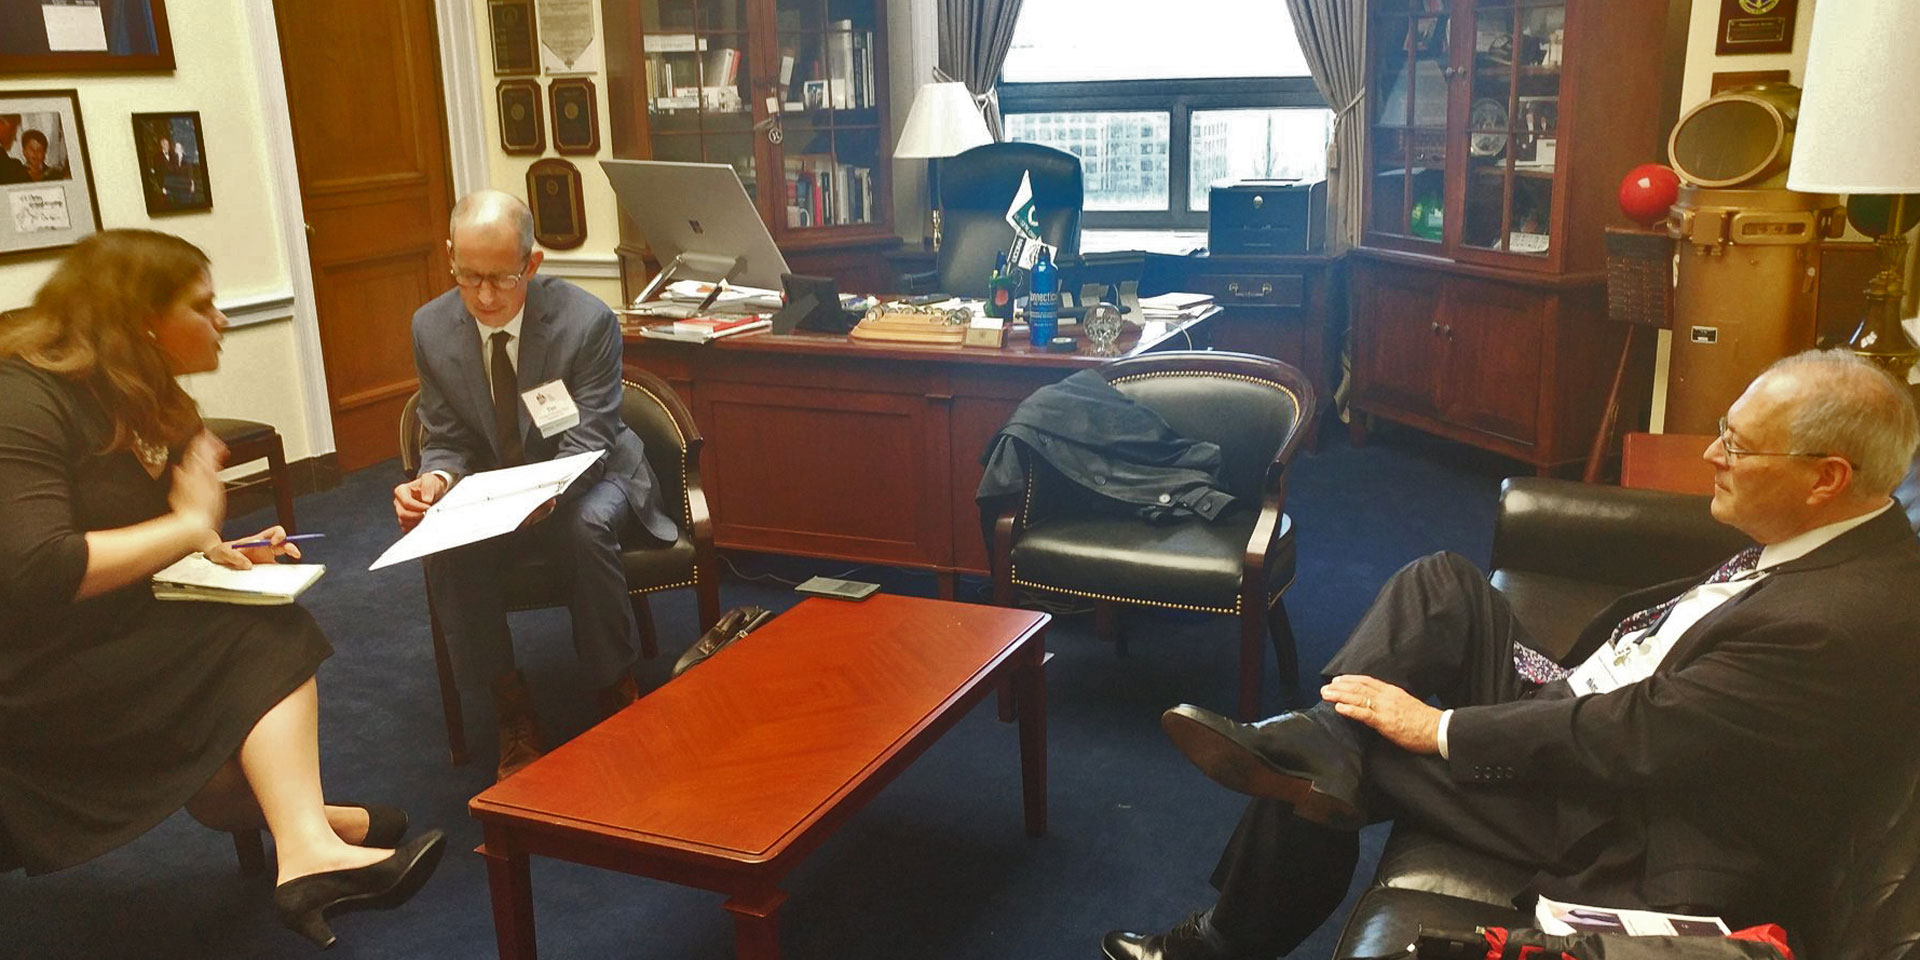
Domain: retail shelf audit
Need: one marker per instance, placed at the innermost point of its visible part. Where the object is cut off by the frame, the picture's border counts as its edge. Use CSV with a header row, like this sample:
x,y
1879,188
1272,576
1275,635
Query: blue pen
x,y
268,543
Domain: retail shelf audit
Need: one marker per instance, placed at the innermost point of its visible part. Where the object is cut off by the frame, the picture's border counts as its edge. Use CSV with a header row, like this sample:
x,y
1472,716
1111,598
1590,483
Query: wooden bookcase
x,y
1497,134
791,93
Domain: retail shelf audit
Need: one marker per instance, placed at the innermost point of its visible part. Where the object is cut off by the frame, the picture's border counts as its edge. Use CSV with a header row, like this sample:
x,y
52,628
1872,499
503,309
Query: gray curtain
x,y
1333,35
974,38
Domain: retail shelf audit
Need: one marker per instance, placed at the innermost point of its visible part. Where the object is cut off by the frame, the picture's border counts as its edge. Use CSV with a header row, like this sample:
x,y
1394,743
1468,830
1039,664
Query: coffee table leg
x,y
1030,699
756,926
512,888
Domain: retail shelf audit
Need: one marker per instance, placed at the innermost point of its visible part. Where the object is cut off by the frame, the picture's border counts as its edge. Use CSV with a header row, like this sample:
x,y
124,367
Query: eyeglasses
x,y
499,281
1735,452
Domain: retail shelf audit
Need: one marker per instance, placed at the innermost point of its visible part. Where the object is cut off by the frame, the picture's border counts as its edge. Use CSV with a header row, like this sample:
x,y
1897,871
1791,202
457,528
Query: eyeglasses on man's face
x,y
471,279
1735,451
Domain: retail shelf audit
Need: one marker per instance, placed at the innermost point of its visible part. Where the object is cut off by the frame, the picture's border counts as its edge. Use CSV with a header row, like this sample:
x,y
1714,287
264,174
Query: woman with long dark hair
x,y
117,709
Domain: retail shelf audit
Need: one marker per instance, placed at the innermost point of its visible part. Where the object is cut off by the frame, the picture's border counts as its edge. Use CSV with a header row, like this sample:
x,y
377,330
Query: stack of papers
x,y
487,504
194,577
1566,919
683,299
703,329
1175,307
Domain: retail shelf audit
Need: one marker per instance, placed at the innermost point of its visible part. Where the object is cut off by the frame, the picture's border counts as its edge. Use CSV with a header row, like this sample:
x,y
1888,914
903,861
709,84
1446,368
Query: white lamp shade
x,y
1859,129
942,123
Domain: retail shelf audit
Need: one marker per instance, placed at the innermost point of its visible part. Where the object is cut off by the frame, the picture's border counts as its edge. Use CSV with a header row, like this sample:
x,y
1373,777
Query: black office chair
x,y
652,410
976,188
1058,538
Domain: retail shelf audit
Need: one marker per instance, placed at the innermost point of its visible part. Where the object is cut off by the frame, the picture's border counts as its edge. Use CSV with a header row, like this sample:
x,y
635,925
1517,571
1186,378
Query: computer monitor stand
x,y
710,268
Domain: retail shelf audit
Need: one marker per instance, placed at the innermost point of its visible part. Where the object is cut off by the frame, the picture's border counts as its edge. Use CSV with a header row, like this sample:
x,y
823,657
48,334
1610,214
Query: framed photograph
x,y
814,93
522,129
84,36
559,212
46,183
576,117
1755,26
516,47
173,162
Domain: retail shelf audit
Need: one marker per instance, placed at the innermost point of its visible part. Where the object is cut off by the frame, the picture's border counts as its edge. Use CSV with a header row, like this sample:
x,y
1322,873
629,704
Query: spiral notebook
x,y
194,577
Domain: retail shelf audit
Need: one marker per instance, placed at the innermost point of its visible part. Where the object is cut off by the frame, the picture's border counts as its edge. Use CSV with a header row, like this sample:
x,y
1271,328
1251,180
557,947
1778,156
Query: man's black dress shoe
x,y
1185,941
304,902
386,826
1291,757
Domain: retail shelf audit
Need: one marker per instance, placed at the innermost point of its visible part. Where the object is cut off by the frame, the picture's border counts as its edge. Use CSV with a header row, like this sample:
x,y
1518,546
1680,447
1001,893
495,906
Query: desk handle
x,y
1233,289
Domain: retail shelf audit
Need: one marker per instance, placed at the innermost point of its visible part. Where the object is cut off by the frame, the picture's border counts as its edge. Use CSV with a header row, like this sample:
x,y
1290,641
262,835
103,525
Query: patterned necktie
x,y
1534,667
506,420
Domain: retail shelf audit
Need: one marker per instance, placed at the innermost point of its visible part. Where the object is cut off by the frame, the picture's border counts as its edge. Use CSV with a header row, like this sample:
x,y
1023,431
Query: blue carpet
x,y
937,866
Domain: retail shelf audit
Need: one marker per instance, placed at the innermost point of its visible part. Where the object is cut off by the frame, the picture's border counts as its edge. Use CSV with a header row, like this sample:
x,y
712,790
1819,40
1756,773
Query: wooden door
x,y
363,93
1494,359
1398,348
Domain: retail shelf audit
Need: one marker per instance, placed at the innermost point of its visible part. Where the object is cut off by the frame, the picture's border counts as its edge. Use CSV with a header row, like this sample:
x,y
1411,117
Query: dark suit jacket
x,y
566,334
1717,780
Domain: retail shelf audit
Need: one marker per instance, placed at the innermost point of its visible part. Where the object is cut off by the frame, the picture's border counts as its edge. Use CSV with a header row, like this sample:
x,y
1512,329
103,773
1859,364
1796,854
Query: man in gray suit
x,y
502,332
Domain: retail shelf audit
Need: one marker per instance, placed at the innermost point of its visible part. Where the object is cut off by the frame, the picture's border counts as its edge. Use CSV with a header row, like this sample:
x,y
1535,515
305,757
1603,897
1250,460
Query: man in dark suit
x,y
500,334
11,169
1689,764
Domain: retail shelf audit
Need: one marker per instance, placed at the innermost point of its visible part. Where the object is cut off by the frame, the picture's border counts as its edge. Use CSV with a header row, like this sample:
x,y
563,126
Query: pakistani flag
x,y
1021,215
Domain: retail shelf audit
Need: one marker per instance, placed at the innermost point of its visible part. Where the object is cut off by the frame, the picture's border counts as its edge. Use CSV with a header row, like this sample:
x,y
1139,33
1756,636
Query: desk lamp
x,y
943,122
1859,134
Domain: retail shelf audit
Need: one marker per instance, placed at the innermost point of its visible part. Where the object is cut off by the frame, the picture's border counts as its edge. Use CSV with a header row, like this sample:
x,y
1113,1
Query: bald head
x,y
491,214
1853,409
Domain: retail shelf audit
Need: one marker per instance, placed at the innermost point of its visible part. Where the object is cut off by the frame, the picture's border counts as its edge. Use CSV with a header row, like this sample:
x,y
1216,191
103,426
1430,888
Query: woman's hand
x,y
276,537
197,496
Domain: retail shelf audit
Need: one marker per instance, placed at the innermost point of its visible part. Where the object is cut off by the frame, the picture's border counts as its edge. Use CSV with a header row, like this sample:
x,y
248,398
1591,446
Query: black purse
x,y
731,626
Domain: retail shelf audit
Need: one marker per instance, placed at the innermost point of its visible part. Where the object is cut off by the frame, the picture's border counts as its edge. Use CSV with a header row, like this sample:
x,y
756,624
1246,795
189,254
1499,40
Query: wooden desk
x,y
869,453
1666,461
728,777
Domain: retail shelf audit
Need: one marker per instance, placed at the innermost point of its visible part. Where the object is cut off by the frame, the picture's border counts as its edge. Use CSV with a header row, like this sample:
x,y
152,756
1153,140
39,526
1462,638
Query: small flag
x,y
1021,215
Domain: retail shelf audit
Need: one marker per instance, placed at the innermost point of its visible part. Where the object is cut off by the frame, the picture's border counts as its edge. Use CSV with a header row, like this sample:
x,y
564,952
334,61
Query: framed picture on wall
x,y
46,184
515,37
559,212
522,129
173,162
84,37
576,117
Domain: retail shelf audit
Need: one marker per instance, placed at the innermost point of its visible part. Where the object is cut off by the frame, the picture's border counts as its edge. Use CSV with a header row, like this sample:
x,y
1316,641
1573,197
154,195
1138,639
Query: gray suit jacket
x,y
566,334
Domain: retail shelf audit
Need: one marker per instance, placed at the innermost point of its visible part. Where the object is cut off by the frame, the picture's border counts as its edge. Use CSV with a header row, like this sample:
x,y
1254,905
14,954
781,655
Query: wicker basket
x,y
1640,277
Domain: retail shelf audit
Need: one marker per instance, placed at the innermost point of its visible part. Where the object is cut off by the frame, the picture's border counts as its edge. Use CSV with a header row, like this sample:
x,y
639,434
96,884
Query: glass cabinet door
x,y
699,83
828,89
1512,126
1408,121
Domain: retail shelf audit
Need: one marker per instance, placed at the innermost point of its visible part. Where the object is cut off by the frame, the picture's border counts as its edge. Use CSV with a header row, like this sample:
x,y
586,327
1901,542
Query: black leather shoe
x,y
304,902
1185,941
386,826
1290,757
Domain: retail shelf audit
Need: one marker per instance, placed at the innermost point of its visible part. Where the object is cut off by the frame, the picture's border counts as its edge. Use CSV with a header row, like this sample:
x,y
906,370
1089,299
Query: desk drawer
x,y
1255,290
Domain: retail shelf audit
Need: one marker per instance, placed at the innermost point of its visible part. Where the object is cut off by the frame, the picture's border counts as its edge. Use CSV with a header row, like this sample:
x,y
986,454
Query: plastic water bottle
x,y
1043,300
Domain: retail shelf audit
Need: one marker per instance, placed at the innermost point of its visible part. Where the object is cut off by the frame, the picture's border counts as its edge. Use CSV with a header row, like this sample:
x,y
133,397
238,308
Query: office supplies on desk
x,y
813,303
194,577
703,329
486,505
900,323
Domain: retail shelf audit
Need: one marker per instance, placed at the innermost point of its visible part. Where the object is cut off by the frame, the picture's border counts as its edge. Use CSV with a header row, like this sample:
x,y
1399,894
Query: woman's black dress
x,y
114,711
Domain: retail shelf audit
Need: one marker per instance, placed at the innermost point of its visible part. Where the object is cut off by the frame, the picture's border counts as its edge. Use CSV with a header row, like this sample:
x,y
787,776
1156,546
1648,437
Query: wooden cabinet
x,y
791,93
1497,134
1288,307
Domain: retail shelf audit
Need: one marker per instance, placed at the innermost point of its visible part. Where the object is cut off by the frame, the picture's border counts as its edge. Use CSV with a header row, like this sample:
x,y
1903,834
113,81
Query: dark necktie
x,y
506,420
1531,665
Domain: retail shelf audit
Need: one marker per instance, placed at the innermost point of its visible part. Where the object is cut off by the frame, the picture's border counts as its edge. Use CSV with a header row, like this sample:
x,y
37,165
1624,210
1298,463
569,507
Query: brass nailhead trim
x,y
686,503
1235,609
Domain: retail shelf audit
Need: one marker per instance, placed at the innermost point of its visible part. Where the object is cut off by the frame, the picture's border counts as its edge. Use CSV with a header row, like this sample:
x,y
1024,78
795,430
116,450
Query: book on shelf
x,y
673,43
194,577
823,192
704,329
840,65
722,68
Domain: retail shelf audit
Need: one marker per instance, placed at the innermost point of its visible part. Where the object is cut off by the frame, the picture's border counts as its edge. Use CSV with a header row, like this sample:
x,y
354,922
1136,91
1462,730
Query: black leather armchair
x,y
1059,539
976,188
1561,552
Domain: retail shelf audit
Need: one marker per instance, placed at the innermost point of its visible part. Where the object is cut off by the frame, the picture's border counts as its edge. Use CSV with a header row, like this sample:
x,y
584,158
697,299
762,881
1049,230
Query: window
x,y
1160,106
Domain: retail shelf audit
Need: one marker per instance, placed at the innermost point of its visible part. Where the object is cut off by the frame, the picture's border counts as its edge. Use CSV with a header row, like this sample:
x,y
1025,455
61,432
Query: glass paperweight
x,y
1103,324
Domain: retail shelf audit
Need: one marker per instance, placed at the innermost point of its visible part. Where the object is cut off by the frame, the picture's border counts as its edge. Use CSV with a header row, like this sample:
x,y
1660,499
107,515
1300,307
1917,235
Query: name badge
x,y
551,407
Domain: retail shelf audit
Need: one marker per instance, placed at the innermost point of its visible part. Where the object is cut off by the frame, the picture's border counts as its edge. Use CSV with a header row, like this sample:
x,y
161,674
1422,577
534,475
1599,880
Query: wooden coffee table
x,y
727,777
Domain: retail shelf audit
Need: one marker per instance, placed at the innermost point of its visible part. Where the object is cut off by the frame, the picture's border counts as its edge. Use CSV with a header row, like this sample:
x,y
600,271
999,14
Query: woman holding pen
x,y
117,709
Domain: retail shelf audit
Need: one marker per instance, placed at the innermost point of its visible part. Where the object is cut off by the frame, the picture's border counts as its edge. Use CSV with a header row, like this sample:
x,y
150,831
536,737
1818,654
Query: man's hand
x,y
539,513
1400,717
411,499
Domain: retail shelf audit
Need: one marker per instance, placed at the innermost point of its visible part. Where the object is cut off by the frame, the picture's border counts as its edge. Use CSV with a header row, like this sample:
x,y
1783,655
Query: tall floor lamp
x,y
1860,134
943,122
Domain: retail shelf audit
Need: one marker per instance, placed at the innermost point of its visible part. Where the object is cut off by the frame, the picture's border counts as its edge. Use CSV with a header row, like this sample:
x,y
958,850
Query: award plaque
x,y
1756,26
515,47
576,119
522,131
559,212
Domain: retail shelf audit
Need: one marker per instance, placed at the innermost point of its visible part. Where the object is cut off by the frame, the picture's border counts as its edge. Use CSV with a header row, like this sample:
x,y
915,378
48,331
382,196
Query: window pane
x,y
1123,155
1230,145
1058,40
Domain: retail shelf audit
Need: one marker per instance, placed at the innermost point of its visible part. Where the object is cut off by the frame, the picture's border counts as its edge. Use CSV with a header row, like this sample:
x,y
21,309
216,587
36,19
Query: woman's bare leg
x,y
281,761
226,804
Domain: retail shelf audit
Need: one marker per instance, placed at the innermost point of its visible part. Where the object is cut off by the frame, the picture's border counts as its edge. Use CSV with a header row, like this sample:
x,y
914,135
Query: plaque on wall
x,y
522,131
576,119
515,39
559,212
1756,26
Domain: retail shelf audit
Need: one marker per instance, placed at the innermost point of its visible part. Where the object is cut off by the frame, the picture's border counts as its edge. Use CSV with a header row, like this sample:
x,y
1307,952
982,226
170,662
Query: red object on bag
x,y
1647,192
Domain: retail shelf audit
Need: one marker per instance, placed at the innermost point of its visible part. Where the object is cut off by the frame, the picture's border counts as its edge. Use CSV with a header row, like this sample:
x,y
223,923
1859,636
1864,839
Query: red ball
x,y
1647,192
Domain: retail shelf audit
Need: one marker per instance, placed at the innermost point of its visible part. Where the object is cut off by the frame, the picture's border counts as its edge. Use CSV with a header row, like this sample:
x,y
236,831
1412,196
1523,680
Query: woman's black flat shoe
x,y
386,826
304,902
